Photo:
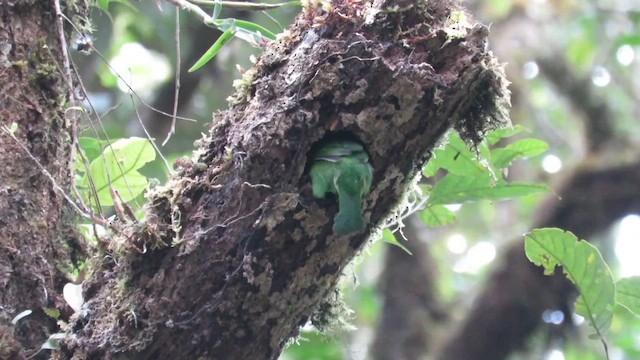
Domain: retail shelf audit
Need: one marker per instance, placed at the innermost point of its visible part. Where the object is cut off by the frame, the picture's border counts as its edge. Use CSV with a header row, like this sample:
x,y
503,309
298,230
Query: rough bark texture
x,y
35,236
238,252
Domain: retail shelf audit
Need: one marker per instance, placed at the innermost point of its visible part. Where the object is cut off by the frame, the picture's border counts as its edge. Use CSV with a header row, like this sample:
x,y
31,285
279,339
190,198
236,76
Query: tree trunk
x,y
411,312
36,232
234,253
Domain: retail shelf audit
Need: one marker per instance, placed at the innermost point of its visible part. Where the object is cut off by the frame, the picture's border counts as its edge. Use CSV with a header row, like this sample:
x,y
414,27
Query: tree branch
x,y
239,253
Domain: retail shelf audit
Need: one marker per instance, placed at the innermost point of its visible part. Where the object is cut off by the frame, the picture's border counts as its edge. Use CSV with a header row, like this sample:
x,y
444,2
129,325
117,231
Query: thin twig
x,y
63,44
103,58
177,81
248,6
75,146
153,143
196,10
66,70
56,187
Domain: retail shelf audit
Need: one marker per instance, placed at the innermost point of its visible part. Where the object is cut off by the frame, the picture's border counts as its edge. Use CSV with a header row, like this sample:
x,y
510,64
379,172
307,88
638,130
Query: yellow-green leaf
x,y
628,294
388,237
582,264
437,215
117,167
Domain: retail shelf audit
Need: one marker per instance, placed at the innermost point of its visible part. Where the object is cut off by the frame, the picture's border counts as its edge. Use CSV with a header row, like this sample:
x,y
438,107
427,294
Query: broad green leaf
x,y
388,237
431,168
457,158
502,158
582,264
117,166
455,189
437,215
103,4
213,50
628,294
92,147
498,134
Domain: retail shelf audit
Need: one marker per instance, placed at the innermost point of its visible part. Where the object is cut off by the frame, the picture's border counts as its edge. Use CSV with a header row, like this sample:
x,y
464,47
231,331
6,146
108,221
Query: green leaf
x,y
390,238
248,31
498,134
247,26
119,163
583,265
431,168
213,50
255,28
456,189
103,4
502,158
457,158
51,312
437,215
92,147
628,294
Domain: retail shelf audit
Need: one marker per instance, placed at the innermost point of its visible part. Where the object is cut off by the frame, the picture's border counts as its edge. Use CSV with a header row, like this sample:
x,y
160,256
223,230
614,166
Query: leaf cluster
x,y
476,174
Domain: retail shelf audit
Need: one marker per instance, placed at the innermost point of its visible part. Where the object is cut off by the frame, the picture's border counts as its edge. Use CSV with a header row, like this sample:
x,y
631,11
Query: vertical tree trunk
x,y
36,238
409,291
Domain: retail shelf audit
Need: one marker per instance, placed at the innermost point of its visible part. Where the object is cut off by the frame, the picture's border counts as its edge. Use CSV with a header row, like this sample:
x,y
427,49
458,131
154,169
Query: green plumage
x,y
342,168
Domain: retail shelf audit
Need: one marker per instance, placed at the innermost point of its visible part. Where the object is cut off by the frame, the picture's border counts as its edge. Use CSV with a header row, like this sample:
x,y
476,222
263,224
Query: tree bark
x,y
37,240
234,253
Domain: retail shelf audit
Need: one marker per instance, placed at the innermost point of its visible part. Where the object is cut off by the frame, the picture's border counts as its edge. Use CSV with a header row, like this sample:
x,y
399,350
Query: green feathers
x,y
342,168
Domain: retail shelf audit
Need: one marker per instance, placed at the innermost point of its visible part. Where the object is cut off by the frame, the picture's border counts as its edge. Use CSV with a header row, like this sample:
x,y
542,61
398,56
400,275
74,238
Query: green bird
x,y
342,168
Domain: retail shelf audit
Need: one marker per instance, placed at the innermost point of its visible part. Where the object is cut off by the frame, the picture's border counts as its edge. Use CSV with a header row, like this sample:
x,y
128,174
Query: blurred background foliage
x,y
467,292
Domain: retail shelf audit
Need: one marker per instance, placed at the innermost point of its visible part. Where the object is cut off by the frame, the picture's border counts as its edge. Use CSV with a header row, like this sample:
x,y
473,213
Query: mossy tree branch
x,y
238,252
